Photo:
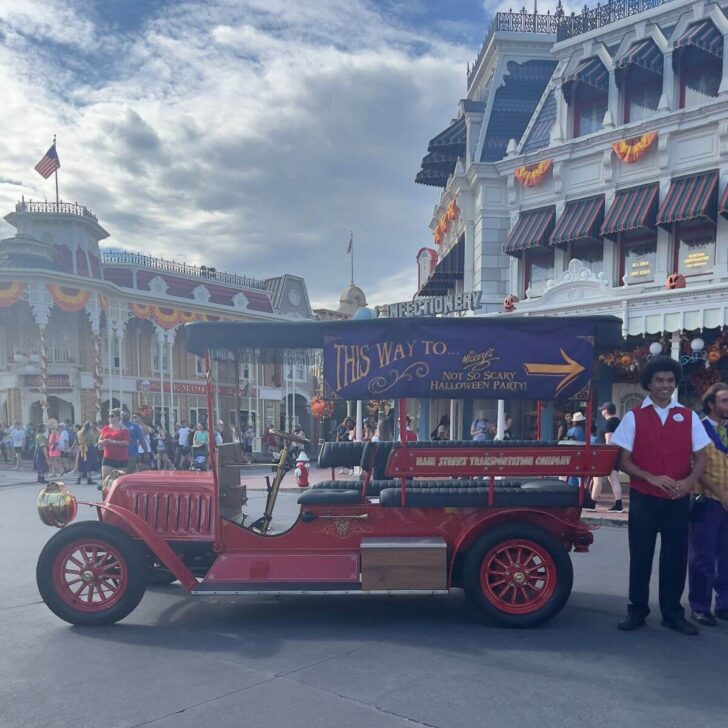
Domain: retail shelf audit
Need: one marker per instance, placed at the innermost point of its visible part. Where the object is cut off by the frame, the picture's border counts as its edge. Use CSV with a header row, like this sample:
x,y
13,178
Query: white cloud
x,y
251,136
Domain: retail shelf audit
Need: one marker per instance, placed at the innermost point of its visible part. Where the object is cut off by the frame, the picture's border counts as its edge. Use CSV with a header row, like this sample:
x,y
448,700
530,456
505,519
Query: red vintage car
x,y
495,518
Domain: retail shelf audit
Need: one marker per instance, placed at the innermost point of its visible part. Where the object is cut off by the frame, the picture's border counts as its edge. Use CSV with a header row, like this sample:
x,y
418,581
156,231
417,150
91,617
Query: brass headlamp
x,y
56,505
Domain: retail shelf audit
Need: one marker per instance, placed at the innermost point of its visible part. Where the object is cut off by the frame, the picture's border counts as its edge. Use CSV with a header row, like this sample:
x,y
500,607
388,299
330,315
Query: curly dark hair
x,y
660,364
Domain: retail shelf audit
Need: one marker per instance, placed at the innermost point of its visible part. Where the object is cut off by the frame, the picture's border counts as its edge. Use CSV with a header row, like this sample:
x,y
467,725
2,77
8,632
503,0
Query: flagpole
x,y
58,202
352,257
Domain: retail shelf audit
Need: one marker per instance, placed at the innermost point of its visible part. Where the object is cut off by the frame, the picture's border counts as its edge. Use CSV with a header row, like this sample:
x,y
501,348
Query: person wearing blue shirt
x,y
577,433
136,438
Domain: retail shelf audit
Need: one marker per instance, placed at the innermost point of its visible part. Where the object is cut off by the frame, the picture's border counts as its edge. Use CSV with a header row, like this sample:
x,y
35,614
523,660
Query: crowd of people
x,y
127,442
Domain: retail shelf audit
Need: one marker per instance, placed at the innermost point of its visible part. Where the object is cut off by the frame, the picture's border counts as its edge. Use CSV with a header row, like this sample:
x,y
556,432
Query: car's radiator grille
x,y
174,514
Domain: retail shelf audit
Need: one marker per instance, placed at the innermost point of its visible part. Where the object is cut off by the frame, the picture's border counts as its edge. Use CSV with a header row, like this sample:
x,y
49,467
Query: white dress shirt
x,y
625,432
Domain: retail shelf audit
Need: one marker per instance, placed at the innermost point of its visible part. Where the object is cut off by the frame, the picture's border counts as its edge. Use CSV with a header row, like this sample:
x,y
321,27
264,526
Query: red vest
x,y
662,449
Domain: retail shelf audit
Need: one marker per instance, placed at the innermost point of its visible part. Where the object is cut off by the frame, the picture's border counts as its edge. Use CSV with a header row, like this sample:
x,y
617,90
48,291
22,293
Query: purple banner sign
x,y
544,360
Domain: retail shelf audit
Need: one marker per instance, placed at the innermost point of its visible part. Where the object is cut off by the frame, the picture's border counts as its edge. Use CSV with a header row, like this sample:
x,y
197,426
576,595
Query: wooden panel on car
x,y
403,563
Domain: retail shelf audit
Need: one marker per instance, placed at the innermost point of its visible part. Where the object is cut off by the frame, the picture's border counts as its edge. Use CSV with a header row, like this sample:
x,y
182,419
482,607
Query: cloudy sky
x,y
251,135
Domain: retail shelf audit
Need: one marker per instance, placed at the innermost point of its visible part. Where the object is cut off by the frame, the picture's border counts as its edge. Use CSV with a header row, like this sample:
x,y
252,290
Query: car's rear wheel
x,y
519,575
91,574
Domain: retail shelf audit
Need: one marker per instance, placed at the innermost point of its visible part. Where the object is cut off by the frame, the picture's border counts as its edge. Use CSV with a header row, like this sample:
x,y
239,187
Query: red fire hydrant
x,y
301,471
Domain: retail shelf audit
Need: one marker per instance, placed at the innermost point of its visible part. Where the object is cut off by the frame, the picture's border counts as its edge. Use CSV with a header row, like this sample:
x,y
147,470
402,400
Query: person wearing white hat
x,y
577,430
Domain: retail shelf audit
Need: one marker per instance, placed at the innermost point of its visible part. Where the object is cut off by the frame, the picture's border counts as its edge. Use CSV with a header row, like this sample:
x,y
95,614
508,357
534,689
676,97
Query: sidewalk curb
x,y
605,521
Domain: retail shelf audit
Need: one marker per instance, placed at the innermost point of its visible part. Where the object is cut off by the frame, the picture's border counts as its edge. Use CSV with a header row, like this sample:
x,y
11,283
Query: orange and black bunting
x,y
10,292
69,299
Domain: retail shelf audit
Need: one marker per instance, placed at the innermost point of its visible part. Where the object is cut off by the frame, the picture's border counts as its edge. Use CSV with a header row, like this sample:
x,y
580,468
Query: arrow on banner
x,y
569,371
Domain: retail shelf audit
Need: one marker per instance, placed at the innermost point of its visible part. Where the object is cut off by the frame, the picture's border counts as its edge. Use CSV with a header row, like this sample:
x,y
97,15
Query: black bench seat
x,y
315,497
533,494
376,486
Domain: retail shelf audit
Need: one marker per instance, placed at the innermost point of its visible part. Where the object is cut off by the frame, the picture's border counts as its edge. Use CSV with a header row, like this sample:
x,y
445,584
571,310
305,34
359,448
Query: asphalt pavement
x,y
361,661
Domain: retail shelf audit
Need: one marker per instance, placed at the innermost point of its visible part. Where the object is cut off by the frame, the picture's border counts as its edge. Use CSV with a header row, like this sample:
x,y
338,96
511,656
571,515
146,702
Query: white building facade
x,y
613,198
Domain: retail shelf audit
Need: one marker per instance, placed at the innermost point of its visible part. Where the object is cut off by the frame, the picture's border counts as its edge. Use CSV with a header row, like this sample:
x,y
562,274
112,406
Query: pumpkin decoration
x,y
320,407
714,356
509,303
675,280
625,360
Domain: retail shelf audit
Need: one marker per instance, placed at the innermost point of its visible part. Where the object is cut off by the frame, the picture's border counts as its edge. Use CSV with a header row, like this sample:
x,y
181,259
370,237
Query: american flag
x,y
49,164
350,245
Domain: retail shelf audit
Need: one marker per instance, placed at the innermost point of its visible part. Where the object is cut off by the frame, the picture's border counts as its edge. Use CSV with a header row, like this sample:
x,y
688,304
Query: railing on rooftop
x,y
521,22
172,266
55,208
592,18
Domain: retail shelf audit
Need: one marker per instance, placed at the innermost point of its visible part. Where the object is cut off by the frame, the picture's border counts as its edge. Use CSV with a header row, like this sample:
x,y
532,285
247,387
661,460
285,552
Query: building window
x,y
160,356
199,366
295,372
642,96
638,256
590,254
115,353
699,82
589,114
694,247
59,349
539,268
198,414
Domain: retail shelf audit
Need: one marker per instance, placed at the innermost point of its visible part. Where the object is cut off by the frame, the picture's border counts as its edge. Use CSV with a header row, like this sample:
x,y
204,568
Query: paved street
x,y
390,662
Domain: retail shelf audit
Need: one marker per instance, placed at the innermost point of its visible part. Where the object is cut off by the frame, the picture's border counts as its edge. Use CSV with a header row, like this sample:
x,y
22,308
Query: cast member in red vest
x,y
663,451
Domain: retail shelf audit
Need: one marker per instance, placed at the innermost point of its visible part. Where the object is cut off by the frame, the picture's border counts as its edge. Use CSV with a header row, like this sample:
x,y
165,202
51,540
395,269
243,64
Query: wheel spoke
x,y
497,583
75,561
500,563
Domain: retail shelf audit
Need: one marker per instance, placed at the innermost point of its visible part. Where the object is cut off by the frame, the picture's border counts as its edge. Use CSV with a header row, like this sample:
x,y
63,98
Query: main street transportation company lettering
x,y
551,359
488,461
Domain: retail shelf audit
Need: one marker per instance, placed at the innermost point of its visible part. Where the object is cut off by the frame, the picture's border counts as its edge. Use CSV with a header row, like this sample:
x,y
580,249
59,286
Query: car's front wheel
x,y
91,574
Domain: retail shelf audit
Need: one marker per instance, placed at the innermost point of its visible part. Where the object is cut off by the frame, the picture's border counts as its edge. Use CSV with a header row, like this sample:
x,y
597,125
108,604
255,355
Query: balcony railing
x,y
55,208
172,266
522,22
602,15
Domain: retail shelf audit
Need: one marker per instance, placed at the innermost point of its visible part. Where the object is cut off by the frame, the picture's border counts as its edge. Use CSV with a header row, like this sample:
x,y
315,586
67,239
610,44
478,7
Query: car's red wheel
x,y
520,575
91,574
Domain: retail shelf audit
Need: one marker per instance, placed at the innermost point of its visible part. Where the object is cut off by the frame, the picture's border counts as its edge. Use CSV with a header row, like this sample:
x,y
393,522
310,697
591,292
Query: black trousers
x,y
649,516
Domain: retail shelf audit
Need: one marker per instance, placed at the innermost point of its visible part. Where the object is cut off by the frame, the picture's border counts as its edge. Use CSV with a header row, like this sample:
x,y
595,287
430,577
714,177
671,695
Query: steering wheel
x,y
289,436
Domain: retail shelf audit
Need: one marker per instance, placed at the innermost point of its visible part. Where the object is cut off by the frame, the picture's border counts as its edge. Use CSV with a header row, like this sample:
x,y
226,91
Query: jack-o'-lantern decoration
x,y
625,361
675,280
509,303
321,408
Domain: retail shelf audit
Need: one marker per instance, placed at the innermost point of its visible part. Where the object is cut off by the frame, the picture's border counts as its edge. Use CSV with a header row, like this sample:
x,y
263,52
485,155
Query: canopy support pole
x,y
403,441
588,449
500,429
212,456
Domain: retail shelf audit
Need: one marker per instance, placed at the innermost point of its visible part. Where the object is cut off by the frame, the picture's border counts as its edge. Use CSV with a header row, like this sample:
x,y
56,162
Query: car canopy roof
x,y
479,357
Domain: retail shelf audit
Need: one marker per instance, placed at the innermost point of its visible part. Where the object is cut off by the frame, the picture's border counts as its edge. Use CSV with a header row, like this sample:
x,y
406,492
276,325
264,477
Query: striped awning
x,y
645,54
532,229
590,72
723,208
690,198
703,35
632,209
448,270
580,220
